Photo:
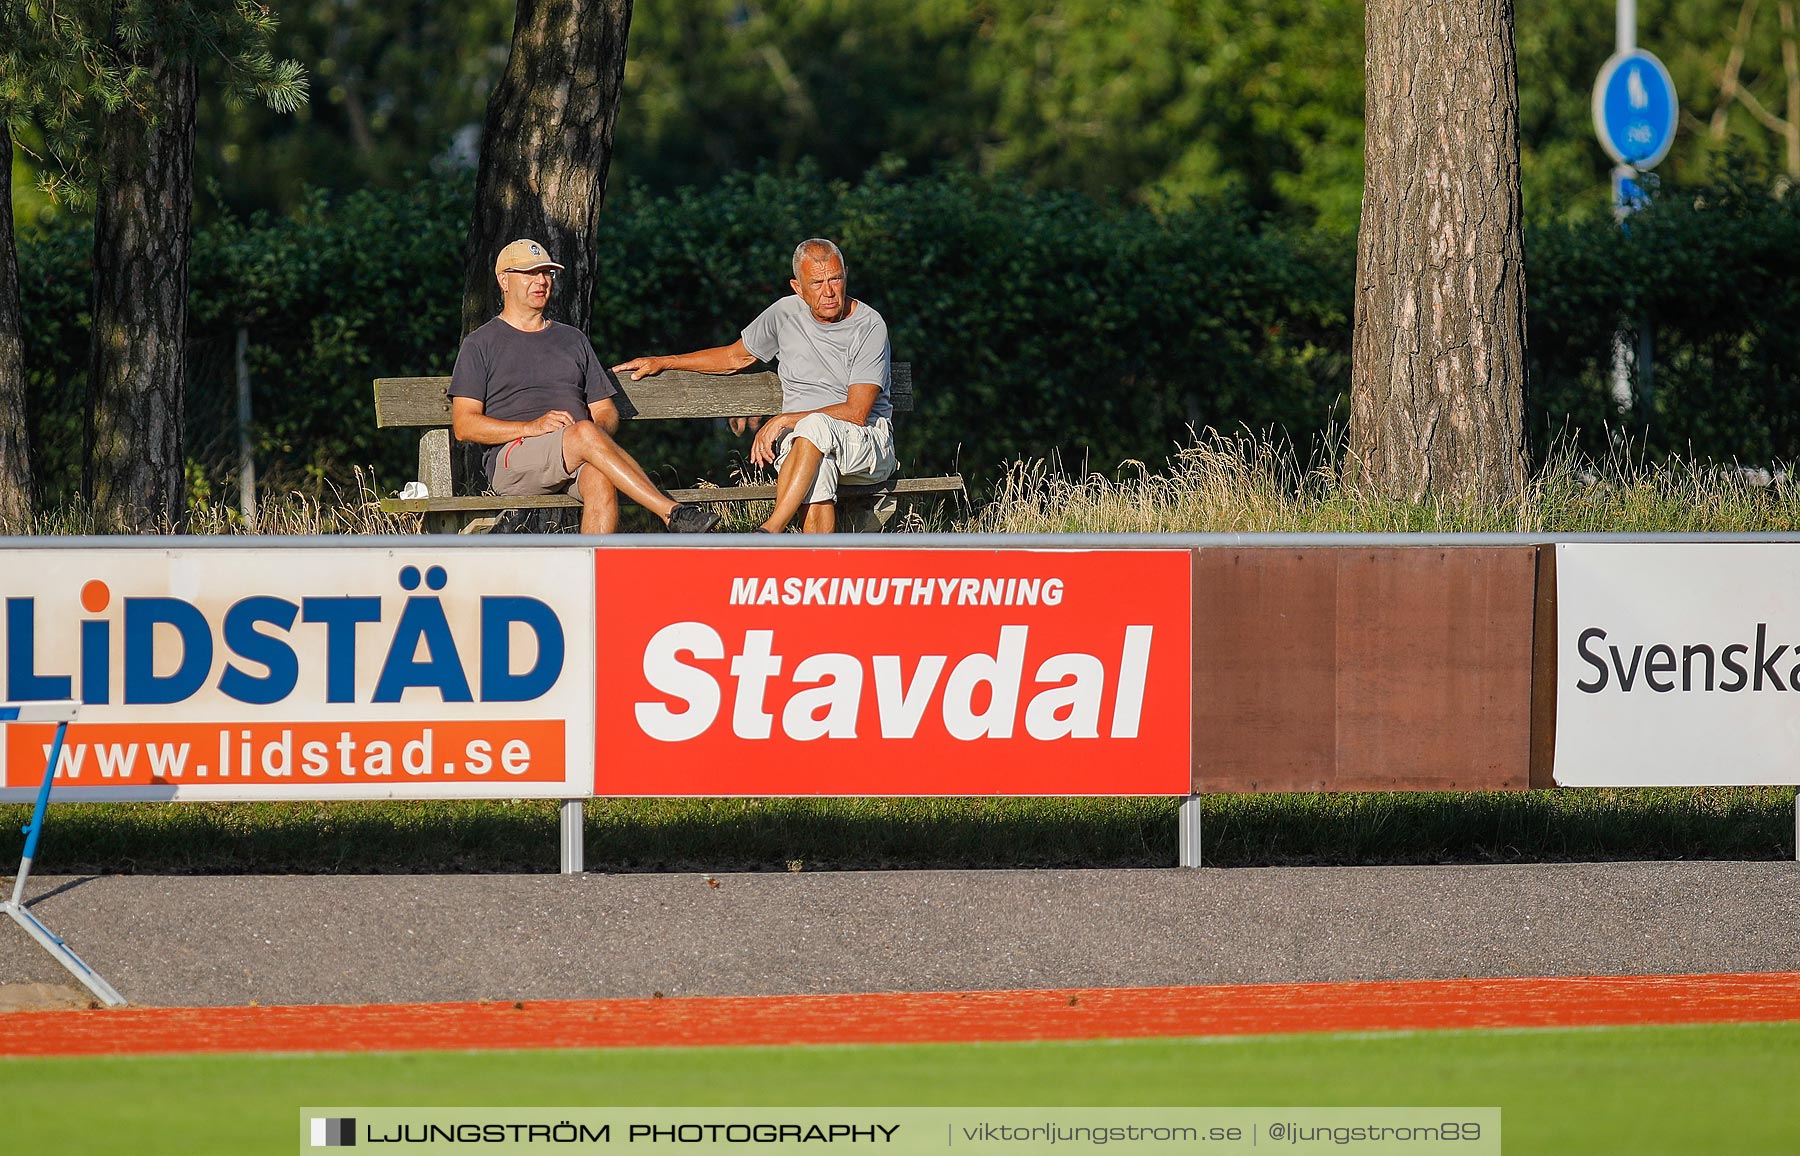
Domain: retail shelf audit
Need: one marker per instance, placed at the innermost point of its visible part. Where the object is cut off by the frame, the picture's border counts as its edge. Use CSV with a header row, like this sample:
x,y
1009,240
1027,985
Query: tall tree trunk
x,y
133,471
545,149
15,457
1437,391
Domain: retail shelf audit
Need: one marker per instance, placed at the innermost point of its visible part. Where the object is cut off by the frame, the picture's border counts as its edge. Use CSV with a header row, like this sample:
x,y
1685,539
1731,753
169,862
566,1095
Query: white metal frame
x,y
62,714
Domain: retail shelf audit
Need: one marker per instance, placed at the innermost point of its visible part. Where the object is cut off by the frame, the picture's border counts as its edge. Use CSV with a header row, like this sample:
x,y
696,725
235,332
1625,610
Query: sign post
x,y
1635,113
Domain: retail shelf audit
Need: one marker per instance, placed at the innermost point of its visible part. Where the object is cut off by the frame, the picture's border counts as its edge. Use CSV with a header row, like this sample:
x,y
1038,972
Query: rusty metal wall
x,y
1363,669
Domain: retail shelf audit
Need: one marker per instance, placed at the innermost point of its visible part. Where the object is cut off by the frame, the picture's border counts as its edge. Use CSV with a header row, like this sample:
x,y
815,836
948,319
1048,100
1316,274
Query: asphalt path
x,y
223,940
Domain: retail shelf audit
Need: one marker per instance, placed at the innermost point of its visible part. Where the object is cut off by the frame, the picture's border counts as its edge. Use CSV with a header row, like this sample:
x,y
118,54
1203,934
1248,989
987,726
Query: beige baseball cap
x,y
524,256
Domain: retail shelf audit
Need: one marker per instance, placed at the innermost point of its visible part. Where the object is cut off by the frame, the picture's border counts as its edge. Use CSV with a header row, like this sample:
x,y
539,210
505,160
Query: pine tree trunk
x,y
1438,379
545,149
133,472
15,456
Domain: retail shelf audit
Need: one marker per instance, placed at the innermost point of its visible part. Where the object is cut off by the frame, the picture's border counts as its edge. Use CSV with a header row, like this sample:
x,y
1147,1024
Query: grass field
x,y
1644,1090
816,834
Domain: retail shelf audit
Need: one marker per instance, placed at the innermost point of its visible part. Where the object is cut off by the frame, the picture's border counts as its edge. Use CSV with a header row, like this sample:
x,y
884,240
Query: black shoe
x,y
515,521
686,519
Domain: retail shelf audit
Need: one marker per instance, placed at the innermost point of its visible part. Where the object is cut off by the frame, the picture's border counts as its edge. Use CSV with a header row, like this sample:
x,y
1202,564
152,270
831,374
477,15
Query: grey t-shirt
x,y
818,363
519,376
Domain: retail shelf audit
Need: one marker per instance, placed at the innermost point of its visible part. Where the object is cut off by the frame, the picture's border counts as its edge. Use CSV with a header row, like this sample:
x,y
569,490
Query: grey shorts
x,y
533,465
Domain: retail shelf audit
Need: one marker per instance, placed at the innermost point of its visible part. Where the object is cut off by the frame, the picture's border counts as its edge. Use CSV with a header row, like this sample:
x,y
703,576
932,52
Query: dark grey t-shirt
x,y
519,376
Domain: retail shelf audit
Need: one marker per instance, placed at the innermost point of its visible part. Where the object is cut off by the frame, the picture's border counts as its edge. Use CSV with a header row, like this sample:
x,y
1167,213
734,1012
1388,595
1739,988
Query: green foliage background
x,y
1091,224
1039,323
1149,101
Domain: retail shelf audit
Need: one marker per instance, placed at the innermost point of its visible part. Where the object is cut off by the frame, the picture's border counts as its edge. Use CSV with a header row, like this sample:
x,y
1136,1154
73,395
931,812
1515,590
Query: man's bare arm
x,y
720,359
605,414
854,410
470,423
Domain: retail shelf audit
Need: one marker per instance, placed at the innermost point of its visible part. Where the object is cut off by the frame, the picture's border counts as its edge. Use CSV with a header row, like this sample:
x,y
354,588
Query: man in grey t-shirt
x,y
834,362
519,382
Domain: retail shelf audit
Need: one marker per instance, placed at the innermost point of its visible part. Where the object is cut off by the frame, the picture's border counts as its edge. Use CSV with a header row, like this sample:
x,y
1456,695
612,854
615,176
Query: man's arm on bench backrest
x,y
424,401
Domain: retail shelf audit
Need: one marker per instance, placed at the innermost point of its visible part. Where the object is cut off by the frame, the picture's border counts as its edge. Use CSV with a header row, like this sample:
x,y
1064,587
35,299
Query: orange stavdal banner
x,y
892,672
375,755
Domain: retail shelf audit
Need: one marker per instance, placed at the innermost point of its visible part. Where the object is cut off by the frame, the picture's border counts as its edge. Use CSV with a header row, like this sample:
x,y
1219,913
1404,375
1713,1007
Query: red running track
x,y
899,1018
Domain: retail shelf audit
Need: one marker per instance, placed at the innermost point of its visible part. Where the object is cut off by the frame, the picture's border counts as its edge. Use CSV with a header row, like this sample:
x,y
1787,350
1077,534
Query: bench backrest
x,y
425,401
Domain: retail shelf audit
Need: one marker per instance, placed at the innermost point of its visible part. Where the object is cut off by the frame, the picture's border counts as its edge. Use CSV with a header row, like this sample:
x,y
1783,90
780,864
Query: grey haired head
x,y
810,246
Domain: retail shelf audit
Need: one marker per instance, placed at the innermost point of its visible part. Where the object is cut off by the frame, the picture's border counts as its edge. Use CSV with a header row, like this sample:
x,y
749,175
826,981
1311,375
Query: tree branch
x,y
1770,121
1734,64
1790,64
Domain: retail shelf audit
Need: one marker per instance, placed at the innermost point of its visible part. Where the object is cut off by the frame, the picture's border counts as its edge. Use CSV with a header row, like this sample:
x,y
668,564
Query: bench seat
x,y
452,476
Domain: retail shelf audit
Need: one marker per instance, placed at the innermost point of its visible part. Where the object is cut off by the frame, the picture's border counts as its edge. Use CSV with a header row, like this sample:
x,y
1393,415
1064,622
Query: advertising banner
x,y
893,672
1677,664
272,673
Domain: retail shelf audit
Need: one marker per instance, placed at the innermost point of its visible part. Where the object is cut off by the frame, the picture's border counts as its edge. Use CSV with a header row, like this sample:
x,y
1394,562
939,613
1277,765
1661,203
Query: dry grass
x,y
1217,484
1244,484
329,510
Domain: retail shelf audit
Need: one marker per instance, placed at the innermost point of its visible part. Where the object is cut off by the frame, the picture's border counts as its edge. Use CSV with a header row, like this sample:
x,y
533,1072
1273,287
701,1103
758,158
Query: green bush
x,y
332,296
1039,324
56,275
1712,272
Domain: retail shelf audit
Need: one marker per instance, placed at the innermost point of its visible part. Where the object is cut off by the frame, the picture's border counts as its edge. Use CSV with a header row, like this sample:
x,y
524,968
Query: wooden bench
x,y
451,471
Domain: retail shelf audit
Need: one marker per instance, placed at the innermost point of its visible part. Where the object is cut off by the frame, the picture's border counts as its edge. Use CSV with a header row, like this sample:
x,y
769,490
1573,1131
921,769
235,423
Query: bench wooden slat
x,y
446,465
948,485
424,401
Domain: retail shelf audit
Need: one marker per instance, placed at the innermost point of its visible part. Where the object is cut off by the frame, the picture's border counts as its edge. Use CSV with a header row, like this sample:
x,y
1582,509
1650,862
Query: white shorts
x,y
853,453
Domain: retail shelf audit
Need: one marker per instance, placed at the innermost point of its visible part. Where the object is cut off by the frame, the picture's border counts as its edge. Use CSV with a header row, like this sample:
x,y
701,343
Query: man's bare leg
x,y
599,502
821,518
794,482
586,442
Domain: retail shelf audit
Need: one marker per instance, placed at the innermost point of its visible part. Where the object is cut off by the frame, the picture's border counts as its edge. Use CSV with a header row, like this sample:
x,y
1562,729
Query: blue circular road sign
x,y
1635,109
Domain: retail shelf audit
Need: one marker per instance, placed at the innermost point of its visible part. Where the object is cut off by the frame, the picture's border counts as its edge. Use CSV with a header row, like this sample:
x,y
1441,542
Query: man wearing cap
x,y
835,364
519,383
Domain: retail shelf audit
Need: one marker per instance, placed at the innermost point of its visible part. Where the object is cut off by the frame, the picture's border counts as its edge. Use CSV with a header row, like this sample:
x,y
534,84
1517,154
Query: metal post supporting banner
x,y
62,714
1188,838
573,853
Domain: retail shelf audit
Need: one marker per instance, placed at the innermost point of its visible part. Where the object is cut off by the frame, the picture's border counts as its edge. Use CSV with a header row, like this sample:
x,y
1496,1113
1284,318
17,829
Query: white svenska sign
x,y
264,672
1677,664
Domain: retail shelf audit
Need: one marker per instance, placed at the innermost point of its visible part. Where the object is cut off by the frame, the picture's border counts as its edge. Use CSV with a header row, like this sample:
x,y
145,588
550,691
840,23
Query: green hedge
x,y
1036,323
1714,272
332,296
1039,323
